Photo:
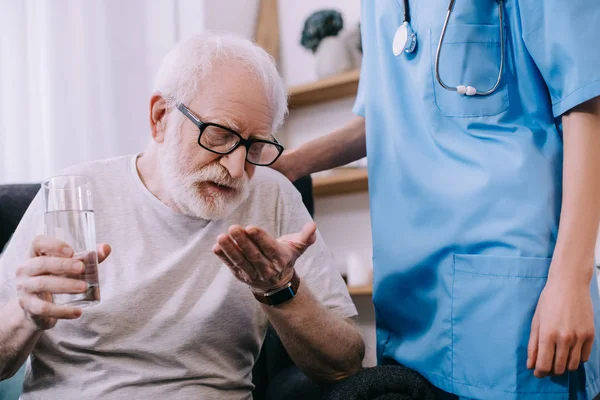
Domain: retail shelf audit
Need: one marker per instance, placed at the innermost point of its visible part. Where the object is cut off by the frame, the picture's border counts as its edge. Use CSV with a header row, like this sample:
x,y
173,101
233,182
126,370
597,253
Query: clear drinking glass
x,y
69,217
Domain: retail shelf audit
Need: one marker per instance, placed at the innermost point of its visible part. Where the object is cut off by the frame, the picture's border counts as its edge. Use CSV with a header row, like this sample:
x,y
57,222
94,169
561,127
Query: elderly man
x,y
173,322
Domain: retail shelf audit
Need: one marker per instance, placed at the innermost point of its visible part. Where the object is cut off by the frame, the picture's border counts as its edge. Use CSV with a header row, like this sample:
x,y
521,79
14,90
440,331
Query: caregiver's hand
x,y
259,260
562,331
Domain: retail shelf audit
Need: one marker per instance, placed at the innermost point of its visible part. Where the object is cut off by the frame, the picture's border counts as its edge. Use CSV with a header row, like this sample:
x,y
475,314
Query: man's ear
x,y
158,117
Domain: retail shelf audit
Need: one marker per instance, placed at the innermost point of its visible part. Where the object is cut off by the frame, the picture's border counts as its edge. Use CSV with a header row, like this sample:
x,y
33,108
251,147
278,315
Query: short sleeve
x,y
359,107
316,267
359,102
563,40
17,250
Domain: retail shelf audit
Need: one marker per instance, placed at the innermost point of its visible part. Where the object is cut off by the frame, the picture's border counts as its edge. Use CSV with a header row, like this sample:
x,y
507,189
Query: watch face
x,y
281,296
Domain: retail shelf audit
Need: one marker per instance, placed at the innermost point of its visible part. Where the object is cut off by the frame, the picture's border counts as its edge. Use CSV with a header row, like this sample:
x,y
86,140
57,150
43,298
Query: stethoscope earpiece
x,y
466,90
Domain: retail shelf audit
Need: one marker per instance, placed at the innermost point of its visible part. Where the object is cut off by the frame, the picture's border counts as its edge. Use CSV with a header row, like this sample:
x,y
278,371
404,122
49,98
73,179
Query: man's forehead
x,y
227,122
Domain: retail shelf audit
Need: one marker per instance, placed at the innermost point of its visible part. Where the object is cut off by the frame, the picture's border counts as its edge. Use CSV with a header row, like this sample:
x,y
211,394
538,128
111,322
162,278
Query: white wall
x,y
297,63
75,78
231,16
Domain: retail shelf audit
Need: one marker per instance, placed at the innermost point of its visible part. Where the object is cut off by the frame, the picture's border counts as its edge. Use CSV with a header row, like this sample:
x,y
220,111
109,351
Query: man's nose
x,y
235,162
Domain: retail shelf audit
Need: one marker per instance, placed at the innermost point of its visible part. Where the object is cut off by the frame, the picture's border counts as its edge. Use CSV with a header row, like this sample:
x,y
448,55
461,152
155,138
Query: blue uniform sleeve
x,y
562,38
359,102
361,97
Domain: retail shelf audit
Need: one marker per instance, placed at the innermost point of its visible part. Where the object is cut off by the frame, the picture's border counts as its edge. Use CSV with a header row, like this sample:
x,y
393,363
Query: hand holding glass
x,y
69,217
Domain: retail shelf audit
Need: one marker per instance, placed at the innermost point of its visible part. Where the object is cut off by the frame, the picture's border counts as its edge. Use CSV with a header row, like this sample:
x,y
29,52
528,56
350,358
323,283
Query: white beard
x,y
185,188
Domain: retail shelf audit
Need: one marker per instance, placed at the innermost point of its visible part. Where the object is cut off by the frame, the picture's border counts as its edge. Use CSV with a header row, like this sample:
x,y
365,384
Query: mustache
x,y
215,172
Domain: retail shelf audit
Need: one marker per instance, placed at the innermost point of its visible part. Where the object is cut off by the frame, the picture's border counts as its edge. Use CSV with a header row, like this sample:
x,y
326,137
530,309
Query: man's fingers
x,y
575,357
40,308
546,350
532,348
104,251
51,284
48,246
265,242
309,233
221,254
45,265
249,249
240,274
233,252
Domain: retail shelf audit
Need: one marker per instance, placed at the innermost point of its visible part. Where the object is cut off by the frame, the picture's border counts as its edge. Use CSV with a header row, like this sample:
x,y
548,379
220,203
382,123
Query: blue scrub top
x,y
466,191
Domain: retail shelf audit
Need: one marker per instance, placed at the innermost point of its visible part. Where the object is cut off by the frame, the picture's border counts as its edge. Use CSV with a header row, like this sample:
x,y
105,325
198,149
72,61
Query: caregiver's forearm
x,y
580,215
338,148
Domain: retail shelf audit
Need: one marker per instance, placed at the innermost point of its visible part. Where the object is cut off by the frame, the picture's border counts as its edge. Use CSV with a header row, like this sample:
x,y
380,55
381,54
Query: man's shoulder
x,y
269,181
99,170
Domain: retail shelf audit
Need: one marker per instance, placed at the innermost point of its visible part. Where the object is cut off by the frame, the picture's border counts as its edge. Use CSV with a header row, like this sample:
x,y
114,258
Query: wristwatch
x,y
281,295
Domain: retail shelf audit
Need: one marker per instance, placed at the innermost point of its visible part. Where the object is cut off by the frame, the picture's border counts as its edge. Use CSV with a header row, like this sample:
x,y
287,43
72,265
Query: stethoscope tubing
x,y
441,44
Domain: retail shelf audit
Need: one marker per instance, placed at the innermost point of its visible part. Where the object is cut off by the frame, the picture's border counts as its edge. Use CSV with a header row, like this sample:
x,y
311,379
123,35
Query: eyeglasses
x,y
221,140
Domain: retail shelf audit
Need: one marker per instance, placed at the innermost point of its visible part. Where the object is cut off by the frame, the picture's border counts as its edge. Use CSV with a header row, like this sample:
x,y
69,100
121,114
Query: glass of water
x,y
69,217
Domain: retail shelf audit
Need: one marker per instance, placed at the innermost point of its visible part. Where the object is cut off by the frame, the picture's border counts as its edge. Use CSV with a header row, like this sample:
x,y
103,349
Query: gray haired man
x,y
193,225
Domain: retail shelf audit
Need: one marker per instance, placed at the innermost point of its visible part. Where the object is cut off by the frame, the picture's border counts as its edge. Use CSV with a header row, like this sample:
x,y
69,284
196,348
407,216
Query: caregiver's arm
x,y
338,148
563,326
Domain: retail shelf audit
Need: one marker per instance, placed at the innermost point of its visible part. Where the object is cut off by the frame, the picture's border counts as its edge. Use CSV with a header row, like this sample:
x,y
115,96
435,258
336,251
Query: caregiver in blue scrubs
x,y
485,203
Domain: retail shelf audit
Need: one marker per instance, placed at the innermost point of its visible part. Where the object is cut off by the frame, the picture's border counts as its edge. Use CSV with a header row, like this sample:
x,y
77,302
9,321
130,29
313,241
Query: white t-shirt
x,y
173,322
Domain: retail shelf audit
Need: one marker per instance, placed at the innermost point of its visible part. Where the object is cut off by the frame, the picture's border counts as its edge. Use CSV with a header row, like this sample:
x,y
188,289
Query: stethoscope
x,y
405,41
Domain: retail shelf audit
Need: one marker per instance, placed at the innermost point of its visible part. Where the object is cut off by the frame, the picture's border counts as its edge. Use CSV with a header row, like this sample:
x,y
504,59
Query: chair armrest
x,y
292,384
392,382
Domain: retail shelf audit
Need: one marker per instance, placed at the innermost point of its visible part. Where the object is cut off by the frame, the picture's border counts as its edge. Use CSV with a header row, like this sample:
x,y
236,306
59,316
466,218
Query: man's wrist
x,y
280,295
22,321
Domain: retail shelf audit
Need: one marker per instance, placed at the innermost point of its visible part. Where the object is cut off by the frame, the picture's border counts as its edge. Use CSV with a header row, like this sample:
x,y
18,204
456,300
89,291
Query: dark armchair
x,y
274,375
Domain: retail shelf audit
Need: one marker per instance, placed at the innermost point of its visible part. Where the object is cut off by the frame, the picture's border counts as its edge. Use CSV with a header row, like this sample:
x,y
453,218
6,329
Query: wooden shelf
x,y
361,291
335,87
341,181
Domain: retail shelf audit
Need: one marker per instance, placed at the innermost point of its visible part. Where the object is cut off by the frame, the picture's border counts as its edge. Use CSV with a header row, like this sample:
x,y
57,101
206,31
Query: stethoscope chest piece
x,y
405,40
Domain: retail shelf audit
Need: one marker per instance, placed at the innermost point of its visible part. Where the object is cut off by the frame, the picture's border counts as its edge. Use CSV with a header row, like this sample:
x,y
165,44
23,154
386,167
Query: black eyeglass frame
x,y
245,142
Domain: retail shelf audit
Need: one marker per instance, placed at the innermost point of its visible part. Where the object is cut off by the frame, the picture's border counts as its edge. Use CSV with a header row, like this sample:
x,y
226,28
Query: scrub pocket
x,y
470,56
493,302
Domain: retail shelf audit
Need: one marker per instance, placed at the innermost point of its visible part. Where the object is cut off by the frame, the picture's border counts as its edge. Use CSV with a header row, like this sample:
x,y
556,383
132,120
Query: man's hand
x,y
51,270
259,260
562,331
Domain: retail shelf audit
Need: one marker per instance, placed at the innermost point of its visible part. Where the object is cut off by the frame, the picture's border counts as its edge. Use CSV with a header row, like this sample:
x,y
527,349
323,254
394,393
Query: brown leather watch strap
x,y
281,295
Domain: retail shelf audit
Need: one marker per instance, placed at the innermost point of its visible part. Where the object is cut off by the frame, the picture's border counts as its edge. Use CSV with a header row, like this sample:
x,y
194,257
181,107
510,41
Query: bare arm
x,y
338,148
18,337
325,346
580,213
563,326
50,270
